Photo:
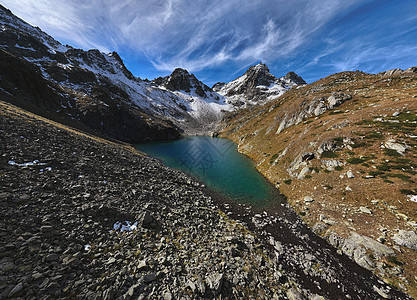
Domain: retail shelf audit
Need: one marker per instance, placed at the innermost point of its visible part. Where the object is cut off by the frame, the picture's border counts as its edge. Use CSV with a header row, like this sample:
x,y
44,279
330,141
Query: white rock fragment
x,y
393,145
382,292
365,210
349,174
28,164
308,199
303,172
125,226
406,238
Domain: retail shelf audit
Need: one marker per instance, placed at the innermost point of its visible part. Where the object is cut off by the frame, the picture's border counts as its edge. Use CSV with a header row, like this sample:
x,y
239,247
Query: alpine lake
x,y
216,163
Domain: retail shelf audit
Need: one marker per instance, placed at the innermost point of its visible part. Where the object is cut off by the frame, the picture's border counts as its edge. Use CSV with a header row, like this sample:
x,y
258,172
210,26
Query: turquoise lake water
x,y
217,163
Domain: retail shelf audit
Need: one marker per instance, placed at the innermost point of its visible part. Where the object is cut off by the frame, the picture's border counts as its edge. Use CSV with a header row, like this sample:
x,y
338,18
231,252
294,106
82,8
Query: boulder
x,y
337,99
406,238
393,145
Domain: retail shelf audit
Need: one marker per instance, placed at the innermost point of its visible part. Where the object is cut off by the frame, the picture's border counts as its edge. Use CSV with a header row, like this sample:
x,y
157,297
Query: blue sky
x,y
218,40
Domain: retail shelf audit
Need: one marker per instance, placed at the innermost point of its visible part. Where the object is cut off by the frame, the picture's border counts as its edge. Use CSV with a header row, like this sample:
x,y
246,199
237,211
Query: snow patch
x,y
28,164
24,48
412,198
125,226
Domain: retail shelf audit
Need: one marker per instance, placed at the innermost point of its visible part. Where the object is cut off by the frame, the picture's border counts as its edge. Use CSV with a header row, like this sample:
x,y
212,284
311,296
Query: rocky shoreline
x,y
65,199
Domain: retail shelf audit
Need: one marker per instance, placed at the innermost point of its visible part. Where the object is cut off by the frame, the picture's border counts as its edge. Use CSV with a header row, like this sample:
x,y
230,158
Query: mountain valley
x,y
85,215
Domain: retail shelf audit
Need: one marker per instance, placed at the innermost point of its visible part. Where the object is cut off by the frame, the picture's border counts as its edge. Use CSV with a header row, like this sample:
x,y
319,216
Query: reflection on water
x,y
217,163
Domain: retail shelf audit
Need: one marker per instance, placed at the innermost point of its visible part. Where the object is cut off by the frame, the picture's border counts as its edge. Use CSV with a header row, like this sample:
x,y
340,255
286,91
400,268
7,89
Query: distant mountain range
x,y
95,90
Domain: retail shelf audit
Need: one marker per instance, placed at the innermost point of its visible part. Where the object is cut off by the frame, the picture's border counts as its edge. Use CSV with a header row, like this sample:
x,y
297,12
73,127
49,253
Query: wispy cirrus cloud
x,y
178,33
313,37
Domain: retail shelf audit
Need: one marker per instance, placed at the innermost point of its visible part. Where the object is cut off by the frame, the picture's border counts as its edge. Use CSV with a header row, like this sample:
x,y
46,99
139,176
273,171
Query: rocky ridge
x,y
98,91
181,80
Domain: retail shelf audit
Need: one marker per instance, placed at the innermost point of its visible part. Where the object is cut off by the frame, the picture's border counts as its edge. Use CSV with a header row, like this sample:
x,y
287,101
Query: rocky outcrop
x,y
398,71
394,145
310,108
294,78
356,247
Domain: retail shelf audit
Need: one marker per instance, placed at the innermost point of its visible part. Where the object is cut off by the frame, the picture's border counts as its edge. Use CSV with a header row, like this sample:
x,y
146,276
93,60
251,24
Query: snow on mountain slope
x,y
195,109
256,86
94,78
204,105
7,19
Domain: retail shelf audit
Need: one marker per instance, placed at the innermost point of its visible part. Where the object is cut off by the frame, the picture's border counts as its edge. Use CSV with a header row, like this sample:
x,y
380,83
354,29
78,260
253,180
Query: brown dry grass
x,y
373,96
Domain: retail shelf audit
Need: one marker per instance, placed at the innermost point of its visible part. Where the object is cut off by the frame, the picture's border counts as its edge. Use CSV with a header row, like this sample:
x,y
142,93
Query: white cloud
x,y
180,33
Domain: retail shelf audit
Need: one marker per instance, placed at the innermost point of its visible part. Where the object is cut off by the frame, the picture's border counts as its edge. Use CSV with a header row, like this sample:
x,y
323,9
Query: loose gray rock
x,y
215,282
294,294
406,238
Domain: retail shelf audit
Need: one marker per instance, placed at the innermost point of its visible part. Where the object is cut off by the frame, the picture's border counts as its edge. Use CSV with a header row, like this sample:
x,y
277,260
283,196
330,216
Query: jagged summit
x,y
119,62
182,80
291,76
257,85
259,67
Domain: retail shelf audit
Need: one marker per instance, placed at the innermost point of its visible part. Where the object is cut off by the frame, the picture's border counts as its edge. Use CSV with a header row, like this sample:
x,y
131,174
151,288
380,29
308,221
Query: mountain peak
x,y
181,80
180,72
257,85
261,67
291,76
121,64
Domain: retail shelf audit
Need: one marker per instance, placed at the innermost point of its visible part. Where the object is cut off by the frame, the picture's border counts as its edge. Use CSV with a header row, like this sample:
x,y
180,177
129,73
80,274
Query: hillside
x,y
95,90
343,150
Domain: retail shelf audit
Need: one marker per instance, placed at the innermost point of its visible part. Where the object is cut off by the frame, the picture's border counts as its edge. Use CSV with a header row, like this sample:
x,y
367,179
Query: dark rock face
x,y
181,80
23,82
217,86
295,78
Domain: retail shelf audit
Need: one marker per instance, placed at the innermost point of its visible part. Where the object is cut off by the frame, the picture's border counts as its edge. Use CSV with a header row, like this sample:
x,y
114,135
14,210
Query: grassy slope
x,y
367,119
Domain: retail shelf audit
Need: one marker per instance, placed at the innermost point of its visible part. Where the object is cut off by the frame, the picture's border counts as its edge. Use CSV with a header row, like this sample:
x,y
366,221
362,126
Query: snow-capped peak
x,y
256,85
